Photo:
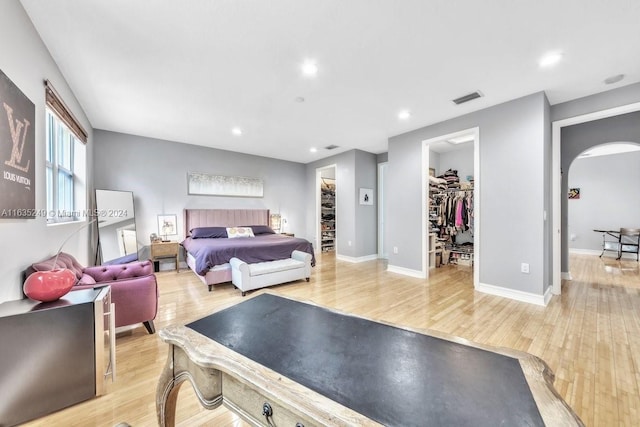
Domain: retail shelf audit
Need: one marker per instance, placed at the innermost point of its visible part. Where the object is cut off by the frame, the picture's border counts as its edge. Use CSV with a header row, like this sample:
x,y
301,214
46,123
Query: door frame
x,y
556,181
476,200
382,176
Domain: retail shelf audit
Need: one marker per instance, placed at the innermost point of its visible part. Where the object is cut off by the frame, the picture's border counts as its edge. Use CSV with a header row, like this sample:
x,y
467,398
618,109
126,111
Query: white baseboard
x,y
547,295
607,254
585,251
566,275
406,271
527,297
357,259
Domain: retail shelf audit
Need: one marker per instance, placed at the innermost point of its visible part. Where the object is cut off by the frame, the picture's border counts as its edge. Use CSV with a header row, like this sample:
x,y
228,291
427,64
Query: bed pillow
x,y
239,232
209,233
262,229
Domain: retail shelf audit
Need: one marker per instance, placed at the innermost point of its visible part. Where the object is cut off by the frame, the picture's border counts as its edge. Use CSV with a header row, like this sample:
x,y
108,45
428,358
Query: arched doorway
x,y
603,194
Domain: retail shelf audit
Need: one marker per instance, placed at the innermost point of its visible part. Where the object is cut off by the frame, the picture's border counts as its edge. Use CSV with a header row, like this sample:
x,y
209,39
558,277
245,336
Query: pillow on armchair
x,y
63,260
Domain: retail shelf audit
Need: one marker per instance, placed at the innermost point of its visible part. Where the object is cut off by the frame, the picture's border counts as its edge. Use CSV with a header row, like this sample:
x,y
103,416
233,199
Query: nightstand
x,y
161,250
288,234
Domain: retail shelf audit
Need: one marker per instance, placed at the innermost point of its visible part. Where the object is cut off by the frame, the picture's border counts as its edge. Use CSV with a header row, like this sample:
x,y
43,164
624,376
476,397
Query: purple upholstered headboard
x,y
223,218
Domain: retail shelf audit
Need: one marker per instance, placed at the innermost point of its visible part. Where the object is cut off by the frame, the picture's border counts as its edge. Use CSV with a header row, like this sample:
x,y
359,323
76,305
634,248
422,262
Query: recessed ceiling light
x,y
236,131
550,59
404,114
613,79
309,68
313,149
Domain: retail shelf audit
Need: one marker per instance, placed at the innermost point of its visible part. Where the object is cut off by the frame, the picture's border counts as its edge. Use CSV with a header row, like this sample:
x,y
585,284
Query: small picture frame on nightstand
x,y
167,226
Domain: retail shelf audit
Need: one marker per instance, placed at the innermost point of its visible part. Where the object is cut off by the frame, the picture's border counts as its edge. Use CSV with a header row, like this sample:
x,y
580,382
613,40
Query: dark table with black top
x,y
277,361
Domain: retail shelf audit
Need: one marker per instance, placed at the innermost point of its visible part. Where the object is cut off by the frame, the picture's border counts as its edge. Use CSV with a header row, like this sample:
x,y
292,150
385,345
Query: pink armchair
x,y
134,289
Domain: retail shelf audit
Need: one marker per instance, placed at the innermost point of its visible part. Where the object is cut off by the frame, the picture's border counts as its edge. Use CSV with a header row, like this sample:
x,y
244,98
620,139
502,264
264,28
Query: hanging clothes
x,y
455,212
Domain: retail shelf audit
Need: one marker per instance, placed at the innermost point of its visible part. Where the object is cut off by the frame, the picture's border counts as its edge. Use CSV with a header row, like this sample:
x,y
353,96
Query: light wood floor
x,y
590,336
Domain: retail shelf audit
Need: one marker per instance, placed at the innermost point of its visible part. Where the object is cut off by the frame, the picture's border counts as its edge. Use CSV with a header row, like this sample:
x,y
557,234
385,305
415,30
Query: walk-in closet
x,y
328,216
327,210
451,219
450,203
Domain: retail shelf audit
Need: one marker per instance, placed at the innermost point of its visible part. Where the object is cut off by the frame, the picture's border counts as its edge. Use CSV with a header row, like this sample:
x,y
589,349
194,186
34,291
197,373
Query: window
x,y
65,162
62,164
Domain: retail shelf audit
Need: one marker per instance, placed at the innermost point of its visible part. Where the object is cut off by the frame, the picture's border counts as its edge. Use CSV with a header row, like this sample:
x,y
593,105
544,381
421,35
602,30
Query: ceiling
x,y
191,70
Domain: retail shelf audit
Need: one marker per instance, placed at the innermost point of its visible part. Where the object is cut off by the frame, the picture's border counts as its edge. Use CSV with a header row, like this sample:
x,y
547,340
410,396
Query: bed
x,y
207,254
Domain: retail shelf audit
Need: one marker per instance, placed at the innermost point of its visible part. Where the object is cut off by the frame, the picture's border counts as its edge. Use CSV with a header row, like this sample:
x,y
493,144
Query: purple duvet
x,y
265,247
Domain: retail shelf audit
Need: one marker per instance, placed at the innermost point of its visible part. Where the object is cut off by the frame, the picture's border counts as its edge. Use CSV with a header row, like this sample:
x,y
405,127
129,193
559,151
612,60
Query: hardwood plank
x,y
590,336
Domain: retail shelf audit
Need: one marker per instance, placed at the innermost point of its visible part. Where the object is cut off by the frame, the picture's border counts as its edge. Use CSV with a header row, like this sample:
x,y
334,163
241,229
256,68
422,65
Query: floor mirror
x,y
118,243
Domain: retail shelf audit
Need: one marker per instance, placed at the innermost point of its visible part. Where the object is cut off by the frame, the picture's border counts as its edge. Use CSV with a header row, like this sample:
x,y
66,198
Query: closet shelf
x,y
459,250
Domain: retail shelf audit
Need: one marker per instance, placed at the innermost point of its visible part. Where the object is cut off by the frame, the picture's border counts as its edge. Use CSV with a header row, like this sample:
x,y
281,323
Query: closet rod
x,y
453,190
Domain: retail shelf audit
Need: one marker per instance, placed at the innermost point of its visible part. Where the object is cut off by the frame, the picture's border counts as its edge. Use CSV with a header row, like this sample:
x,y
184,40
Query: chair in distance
x,y
627,240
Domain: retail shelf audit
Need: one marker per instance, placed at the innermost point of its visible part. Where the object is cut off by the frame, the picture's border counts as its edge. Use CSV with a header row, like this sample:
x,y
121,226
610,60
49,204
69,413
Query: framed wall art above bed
x,y
218,185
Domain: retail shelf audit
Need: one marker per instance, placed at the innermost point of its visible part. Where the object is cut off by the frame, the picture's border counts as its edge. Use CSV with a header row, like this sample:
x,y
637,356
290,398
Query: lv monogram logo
x,y
17,129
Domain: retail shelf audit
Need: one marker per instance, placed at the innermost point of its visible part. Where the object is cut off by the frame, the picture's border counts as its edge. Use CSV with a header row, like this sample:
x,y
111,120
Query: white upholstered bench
x,y
247,277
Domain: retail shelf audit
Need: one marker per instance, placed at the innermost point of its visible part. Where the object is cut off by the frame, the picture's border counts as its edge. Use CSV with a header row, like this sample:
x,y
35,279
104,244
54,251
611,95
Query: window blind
x,y
63,112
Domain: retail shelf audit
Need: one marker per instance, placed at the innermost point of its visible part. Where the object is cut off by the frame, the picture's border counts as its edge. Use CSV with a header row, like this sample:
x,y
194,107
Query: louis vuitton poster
x,y
17,152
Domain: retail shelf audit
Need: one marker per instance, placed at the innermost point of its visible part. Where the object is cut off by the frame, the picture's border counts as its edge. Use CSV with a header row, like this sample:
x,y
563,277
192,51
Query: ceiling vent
x,y
331,147
467,98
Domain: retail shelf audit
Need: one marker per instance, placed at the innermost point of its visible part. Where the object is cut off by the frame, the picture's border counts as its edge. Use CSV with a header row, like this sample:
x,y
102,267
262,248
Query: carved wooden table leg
x,y
167,393
207,384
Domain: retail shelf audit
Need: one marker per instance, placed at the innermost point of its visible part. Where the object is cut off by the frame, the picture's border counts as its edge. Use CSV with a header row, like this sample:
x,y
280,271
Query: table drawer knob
x,y
267,410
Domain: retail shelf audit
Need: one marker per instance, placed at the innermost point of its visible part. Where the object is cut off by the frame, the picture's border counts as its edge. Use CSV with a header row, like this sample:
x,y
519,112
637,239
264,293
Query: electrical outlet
x,y
395,249
524,268
349,242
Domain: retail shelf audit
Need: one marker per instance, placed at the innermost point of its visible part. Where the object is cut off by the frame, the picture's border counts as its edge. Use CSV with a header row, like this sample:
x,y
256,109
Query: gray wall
x,y
601,101
512,193
156,171
25,60
434,162
354,223
366,216
580,137
460,160
609,197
